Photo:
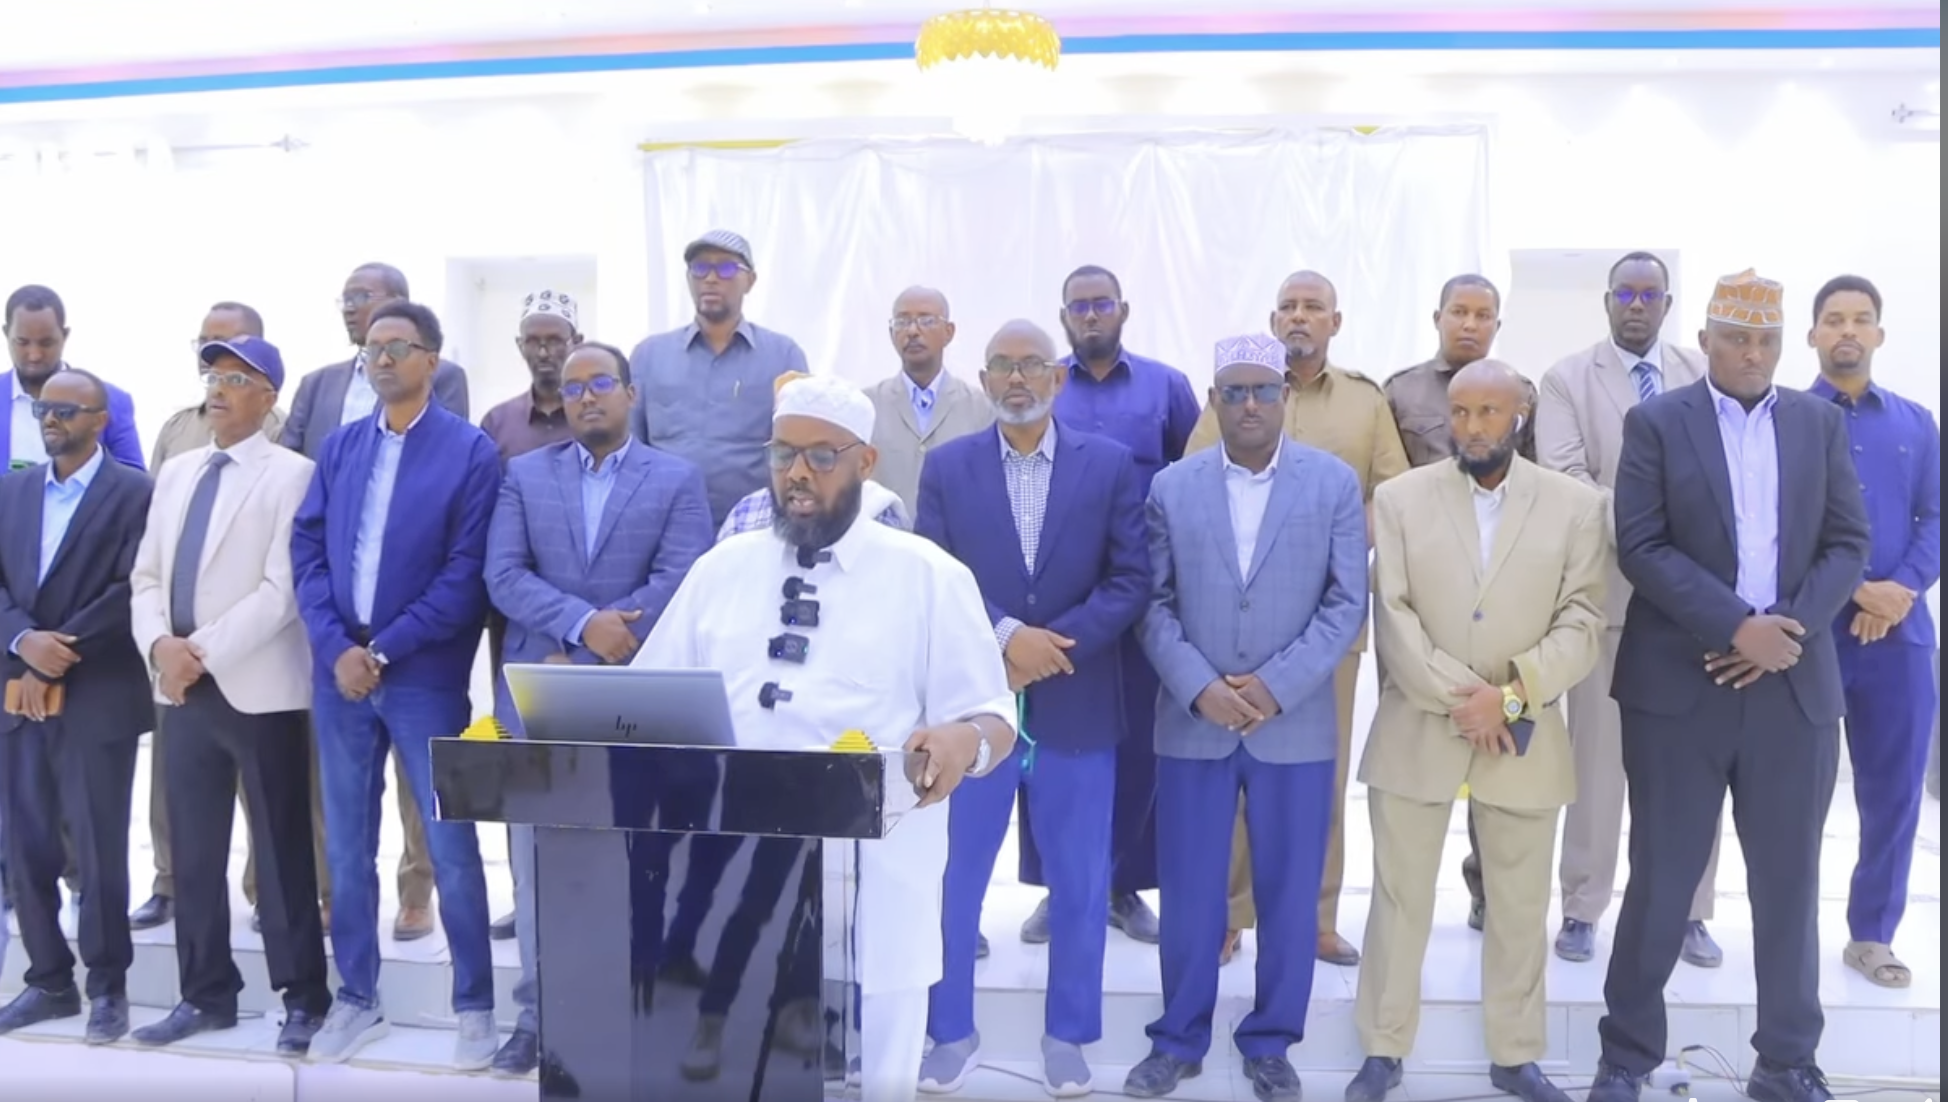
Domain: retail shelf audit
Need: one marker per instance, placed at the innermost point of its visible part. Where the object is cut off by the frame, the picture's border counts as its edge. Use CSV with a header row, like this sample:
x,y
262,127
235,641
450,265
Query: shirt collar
x,y
914,390
1630,360
536,415
609,466
1046,449
1270,468
1074,363
848,551
1831,393
20,392
385,430
694,331
1719,400
248,448
358,363
82,478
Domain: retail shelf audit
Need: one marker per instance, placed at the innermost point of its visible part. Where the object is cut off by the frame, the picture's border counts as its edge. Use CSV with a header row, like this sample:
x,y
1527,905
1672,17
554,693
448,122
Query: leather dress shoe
x,y
34,1006
1613,1084
1377,1076
184,1022
1159,1074
108,1019
1334,949
300,1026
1576,941
1273,1079
1772,1082
1700,951
1134,917
503,928
1526,1083
159,910
519,1054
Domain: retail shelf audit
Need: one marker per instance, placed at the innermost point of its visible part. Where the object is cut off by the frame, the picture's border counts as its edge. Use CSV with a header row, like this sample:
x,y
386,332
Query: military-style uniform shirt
x,y
1339,411
1418,396
189,429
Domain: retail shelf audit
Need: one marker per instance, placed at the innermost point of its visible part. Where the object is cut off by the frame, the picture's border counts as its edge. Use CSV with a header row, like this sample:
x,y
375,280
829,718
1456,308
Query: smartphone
x,y
1522,730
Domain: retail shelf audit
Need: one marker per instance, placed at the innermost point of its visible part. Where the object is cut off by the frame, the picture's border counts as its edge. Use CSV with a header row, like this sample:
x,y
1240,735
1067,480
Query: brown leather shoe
x,y
1231,938
1334,949
412,924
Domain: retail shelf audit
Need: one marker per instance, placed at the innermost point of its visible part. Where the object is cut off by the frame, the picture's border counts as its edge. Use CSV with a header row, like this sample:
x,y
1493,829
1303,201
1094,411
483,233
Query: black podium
x,y
630,842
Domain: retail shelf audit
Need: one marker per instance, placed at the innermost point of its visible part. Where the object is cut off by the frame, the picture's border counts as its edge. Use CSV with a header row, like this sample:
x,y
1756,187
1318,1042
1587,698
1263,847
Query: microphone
x,y
808,557
770,695
798,587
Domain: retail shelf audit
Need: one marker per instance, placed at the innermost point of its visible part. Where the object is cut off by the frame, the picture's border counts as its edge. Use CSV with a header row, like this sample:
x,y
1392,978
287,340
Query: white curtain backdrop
x,y
1201,228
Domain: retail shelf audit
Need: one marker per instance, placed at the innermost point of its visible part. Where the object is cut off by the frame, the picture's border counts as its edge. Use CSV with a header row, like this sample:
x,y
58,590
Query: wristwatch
x,y
981,756
1512,706
379,659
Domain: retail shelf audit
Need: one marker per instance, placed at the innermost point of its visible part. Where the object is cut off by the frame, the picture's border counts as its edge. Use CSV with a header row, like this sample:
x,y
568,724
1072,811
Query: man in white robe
x,y
903,650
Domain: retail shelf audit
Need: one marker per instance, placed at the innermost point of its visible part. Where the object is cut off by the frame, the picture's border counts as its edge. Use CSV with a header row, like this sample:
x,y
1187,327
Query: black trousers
x,y
56,779
1780,769
213,750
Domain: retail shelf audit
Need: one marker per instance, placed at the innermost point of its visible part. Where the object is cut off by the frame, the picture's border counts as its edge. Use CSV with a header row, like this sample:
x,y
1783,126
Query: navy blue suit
x,y
1089,583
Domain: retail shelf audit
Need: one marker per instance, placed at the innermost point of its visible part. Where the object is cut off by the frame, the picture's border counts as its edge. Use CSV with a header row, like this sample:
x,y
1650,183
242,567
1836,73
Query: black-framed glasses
x,y
600,385
1237,394
1649,296
821,458
60,411
725,270
1030,369
226,380
352,300
922,322
393,350
1083,307
556,345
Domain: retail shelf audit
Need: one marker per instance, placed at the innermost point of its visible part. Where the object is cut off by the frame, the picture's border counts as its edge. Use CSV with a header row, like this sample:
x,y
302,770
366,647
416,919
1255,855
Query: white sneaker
x,y
476,1040
347,1029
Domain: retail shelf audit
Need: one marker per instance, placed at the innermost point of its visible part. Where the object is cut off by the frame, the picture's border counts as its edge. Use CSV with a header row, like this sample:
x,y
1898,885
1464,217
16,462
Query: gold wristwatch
x,y
1512,706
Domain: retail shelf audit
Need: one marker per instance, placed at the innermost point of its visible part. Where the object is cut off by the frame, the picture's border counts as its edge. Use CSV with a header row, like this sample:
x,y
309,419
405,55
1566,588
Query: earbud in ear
x,y
1520,421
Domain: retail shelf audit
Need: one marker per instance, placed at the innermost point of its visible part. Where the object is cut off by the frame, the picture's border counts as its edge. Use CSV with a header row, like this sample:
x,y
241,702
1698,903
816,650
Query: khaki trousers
x,y
1244,914
1592,829
1517,858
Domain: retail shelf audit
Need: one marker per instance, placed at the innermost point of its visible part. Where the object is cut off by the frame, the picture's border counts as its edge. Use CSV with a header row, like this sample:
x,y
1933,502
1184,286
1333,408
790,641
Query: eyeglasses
x,y
1625,296
601,386
926,323
1031,369
228,380
821,458
557,345
352,300
393,350
1236,394
1101,307
725,270
60,411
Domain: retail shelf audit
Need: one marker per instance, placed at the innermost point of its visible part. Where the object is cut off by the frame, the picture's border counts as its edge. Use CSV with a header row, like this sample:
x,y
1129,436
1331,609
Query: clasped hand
x,y
179,664
1480,719
1763,644
1036,654
357,674
49,653
951,750
607,634
1882,606
1237,702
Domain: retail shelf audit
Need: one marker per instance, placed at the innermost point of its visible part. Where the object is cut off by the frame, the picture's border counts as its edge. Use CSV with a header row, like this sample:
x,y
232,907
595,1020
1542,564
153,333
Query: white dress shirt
x,y
1488,516
1249,494
360,399
903,643
26,446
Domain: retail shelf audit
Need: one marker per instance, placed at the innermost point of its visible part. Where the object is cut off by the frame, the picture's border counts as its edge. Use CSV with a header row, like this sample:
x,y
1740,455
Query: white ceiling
x,y
88,32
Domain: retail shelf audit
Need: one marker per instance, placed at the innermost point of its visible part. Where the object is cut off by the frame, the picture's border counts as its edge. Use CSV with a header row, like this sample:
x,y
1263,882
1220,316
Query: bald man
x,y
1483,619
921,407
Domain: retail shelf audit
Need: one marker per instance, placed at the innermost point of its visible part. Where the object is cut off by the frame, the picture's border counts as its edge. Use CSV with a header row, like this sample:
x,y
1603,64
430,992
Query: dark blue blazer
x,y
118,438
431,602
1091,580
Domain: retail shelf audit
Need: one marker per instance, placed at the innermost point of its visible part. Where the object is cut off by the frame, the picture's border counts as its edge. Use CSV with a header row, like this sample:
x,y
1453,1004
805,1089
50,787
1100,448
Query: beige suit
x,y
1579,431
959,408
1443,619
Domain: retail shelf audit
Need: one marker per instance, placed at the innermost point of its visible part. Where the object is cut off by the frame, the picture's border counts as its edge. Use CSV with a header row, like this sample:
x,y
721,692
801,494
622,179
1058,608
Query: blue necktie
x,y
189,549
1647,381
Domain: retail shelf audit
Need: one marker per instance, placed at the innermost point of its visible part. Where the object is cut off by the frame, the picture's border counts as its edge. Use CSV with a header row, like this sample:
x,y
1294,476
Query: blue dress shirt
x,y
1751,446
597,483
59,502
368,549
1143,404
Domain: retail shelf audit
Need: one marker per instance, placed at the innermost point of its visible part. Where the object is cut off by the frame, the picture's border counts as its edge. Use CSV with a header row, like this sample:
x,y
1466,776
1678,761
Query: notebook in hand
x,y
57,695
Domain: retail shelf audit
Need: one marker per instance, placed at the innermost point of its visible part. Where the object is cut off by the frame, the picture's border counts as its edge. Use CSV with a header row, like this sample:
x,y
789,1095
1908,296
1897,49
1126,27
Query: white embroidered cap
x,y
827,399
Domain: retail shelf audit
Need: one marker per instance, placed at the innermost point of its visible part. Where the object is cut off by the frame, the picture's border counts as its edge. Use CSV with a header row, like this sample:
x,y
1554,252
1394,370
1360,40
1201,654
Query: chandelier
x,y
991,67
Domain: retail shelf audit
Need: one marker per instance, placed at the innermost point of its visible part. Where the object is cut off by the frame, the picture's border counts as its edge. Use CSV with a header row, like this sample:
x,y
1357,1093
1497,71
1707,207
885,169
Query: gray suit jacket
x,y
319,408
1288,619
959,408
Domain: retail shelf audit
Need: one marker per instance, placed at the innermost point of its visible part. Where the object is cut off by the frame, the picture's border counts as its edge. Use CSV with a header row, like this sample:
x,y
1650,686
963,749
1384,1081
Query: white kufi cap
x,y
827,399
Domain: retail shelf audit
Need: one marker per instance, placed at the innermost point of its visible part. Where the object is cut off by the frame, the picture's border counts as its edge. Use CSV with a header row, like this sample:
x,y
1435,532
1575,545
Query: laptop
x,y
622,704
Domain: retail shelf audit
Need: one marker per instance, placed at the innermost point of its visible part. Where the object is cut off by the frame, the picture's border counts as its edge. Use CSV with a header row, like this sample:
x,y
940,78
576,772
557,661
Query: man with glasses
x,y
186,431
1149,408
704,391
1258,552
388,551
77,703
215,612
1579,431
1063,583
589,541
341,394
923,406
932,683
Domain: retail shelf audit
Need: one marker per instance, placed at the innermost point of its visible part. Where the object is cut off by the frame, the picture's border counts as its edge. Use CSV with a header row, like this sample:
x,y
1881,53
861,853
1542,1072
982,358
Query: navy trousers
x,y
1890,719
1133,837
1071,793
1288,816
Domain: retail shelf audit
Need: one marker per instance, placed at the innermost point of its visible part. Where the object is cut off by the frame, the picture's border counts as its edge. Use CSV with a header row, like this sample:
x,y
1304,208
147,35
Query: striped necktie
x,y
1648,384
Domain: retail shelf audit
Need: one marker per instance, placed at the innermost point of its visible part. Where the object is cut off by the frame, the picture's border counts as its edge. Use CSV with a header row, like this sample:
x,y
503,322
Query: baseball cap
x,y
259,353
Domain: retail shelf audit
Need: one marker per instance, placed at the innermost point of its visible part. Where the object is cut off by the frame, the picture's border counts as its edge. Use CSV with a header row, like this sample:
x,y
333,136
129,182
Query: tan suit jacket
x,y
1441,621
253,643
959,408
1579,426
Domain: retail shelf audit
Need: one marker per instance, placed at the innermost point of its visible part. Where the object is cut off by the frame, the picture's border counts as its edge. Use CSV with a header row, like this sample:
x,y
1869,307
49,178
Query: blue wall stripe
x,y
1891,38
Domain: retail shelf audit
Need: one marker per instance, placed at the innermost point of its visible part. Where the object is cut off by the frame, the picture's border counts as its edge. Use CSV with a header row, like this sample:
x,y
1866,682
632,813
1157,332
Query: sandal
x,y
1878,963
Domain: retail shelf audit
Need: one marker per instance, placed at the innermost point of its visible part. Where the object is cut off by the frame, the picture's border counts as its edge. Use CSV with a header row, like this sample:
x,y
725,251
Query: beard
x,y
1027,416
1494,462
823,528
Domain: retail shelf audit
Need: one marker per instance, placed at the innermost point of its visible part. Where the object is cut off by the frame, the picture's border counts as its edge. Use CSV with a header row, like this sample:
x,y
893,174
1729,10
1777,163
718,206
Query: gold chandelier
x,y
990,66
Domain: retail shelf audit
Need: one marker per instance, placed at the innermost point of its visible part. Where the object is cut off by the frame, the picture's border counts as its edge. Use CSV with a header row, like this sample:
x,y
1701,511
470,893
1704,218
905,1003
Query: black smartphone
x,y
1522,730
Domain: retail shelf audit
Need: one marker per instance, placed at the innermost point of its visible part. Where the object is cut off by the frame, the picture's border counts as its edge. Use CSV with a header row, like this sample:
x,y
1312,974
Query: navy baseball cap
x,y
255,351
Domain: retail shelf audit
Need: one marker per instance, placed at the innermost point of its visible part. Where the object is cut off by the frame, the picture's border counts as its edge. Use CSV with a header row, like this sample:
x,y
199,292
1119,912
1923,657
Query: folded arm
x,y
1118,600
1573,644
1678,585
1424,673
1844,541
1181,667
453,602
1309,661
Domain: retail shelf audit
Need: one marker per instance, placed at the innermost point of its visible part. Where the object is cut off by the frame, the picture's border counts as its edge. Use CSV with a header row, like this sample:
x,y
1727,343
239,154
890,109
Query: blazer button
x,y
1478,615
1031,598
1244,606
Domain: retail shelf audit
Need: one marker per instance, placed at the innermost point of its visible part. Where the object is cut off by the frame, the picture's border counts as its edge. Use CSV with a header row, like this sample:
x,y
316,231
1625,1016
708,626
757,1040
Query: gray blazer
x,y
1289,618
960,408
319,407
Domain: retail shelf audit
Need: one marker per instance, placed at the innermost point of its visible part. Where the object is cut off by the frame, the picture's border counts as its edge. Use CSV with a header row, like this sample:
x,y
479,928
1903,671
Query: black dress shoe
x,y
1273,1079
1134,917
300,1026
34,1006
1526,1083
1159,1074
184,1022
1576,941
683,972
519,1055
502,929
108,1019
1613,1084
157,911
1772,1082
1377,1076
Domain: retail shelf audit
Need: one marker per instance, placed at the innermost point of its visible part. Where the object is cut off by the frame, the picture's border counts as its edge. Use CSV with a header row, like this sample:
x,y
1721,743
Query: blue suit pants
x,y
1890,718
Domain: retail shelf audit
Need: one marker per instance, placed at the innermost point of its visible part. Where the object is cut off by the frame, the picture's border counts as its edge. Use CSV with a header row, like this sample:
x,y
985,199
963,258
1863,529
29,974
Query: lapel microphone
x,y
808,558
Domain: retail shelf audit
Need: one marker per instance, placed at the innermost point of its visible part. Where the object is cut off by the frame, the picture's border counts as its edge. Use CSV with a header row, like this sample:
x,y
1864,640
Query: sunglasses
x,y
393,350
60,411
725,270
1237,394
821,458
601,386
